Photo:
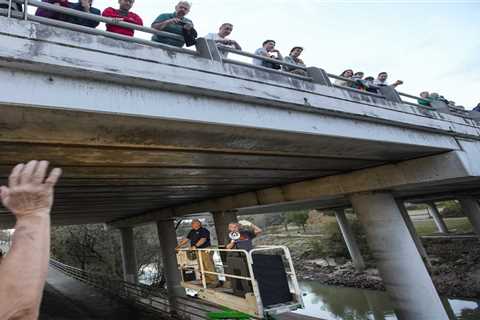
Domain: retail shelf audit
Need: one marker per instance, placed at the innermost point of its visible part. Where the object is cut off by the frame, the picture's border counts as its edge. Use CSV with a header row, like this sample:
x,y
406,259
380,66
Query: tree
x,y
299,218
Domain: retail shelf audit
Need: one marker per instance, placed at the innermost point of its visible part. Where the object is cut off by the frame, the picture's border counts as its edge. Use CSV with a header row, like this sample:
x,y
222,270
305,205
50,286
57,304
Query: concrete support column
x,y
405,275
222,219
437,218
349,238
471,208
168,241
129,258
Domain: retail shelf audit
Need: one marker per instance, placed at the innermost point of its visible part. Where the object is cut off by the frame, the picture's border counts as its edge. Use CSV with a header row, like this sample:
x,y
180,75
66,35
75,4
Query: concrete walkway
x,y
67,298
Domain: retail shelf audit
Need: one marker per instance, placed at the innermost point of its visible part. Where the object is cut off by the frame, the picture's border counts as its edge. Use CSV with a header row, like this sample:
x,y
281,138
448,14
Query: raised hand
x,y
28,192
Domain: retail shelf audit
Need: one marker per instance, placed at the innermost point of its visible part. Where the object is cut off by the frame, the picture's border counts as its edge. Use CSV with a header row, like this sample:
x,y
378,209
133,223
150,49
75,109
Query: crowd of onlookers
x,y
176,23
357,80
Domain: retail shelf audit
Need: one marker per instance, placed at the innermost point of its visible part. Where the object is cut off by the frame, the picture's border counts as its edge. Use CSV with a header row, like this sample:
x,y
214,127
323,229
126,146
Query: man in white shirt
x,y
221,38
381,81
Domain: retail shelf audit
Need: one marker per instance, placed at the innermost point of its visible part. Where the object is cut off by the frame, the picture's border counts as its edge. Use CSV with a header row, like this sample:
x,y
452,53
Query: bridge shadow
x,y
67,298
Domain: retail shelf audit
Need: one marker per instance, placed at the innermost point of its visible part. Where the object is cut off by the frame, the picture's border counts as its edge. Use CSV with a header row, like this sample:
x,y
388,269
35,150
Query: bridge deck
x,y
137,128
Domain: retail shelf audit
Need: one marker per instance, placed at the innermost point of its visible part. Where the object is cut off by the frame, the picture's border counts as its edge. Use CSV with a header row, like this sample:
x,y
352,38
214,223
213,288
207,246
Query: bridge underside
x,y
118,166
138,129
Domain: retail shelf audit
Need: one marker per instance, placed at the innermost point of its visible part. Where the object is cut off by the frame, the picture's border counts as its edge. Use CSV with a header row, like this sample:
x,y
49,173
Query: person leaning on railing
x,y
345,74
426,100
268,50
220,38
199,238
381,81
176,23
50,14
84,6
294,58
29,196
124,14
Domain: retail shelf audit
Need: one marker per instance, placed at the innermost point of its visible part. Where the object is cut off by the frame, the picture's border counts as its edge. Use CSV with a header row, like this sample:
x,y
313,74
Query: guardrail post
x,y
390,94
440,106
319,76
208,49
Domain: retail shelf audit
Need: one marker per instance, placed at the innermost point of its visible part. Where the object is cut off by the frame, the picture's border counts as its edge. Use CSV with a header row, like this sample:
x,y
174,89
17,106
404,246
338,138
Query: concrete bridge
x,y
146,133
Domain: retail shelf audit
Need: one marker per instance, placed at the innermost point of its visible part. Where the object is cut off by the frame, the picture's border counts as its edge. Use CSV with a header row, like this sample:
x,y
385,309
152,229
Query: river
x,y
338,303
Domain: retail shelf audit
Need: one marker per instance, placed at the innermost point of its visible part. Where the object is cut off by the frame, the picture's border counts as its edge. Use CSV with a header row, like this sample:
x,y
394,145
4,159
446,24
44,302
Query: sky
x,y
430,45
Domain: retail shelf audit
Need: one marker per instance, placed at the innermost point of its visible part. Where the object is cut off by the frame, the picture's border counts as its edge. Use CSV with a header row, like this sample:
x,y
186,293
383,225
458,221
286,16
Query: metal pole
x,y
25,10
202,271
9,13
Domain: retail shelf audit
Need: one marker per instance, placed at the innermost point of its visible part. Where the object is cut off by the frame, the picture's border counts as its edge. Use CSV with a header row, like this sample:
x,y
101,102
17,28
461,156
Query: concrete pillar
x,y
390,93
168,241
222,219
129,258
437,218
471,208
404,273
413,233
349,238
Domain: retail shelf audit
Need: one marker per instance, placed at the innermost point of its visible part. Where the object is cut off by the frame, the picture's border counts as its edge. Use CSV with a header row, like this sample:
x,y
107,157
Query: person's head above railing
x,y
176,30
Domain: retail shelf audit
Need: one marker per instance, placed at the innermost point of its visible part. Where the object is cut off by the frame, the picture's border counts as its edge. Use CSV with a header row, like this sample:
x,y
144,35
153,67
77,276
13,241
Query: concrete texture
x,y
129,256
405,275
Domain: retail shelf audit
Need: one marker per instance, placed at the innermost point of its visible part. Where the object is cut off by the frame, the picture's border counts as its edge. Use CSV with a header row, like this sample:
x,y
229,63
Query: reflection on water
x,y
337,303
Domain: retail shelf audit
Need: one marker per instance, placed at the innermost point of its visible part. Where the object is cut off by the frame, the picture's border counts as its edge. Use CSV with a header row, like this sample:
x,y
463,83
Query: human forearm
x,y
160,25
182,243
230,245
24,270
200,242
29,196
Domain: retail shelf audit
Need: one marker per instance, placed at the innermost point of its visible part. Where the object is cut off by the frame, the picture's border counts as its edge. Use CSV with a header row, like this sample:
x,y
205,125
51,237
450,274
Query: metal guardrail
x,y
137,294
98,18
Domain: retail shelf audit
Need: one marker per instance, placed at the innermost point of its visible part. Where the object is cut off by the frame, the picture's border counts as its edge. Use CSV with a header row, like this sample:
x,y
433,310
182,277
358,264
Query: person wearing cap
x,y
293,58
199,238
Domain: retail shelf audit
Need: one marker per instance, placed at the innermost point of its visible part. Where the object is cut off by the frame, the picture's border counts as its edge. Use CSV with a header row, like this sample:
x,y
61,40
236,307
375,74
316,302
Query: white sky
x,y
430,45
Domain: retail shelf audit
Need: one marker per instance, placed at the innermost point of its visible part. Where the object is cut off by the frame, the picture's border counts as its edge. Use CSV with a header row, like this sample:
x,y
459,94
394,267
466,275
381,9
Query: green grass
x,y
457,225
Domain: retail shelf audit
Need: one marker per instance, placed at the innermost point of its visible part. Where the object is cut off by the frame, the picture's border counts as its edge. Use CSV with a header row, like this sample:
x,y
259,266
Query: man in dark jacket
x,y
84,6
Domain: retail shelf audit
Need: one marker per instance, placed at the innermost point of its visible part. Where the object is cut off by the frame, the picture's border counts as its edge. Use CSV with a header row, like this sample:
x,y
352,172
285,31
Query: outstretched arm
x,y
29,196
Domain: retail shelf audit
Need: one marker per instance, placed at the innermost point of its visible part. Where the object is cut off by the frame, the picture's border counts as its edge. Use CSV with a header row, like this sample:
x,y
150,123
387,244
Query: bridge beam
x,y
129,257
405,275
437,218
448,168
471,208
349,238
222,219
168,241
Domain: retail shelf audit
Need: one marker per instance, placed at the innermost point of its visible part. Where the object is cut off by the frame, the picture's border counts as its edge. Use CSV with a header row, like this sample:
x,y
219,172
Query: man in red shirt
x,y
122,14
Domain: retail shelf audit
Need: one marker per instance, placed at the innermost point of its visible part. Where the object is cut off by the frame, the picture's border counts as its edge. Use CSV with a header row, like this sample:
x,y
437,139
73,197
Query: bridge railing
x,y
137,294
205,47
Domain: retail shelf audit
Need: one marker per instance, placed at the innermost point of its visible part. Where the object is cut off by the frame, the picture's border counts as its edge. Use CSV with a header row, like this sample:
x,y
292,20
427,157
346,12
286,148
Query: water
x,y
337,303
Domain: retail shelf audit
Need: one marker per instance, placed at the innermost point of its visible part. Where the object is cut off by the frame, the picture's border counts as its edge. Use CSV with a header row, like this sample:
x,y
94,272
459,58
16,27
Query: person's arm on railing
x,y
182,243
200,242
23,271
161,22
